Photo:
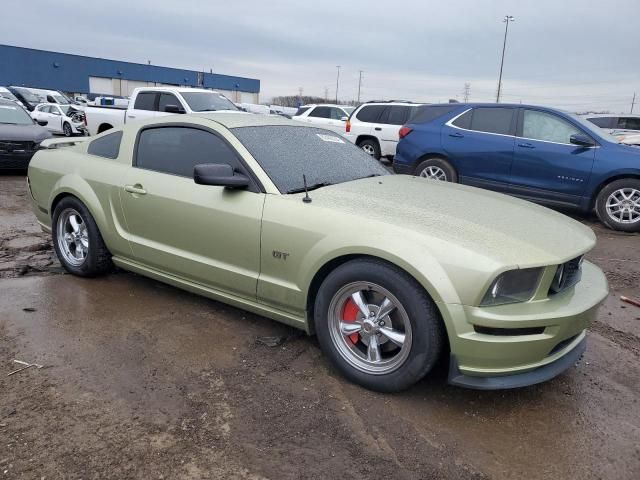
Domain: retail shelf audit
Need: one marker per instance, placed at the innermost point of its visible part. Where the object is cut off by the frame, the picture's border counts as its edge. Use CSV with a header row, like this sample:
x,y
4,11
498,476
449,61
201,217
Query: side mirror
x,y
174,109
344,119
219,174
581,140
42,123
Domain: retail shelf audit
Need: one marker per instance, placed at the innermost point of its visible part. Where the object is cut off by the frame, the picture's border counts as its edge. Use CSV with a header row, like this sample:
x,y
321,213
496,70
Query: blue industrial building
x,y
83,75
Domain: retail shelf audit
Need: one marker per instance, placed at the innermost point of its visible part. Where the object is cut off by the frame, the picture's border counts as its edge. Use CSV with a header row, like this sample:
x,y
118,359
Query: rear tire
x,y
370,147
618,205
77,240
437,169
408,339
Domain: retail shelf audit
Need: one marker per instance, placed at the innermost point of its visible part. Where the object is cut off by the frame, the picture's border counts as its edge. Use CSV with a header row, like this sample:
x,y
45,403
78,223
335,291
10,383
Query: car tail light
x,y
404,131
348,126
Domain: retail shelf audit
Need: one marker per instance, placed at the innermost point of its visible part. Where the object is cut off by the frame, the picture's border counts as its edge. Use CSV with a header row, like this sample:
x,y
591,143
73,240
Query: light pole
x,y
337,81
506,20
359,84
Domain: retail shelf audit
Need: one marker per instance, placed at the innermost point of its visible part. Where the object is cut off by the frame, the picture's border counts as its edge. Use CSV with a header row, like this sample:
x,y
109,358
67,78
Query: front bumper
x,y
15,161
559,323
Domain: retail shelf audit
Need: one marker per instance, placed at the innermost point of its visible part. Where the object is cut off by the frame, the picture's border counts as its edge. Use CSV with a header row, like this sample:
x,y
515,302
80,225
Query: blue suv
x,y
537,153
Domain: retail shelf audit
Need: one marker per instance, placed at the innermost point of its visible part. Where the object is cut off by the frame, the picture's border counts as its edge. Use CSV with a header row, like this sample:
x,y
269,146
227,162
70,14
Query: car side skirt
x,y
224,297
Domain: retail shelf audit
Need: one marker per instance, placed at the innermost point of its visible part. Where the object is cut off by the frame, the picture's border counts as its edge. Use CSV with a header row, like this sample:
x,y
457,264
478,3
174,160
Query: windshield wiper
x,y
309,188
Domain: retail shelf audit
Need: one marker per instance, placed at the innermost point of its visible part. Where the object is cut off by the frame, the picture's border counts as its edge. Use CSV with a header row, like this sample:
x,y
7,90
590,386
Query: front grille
x,y
567,275
17,147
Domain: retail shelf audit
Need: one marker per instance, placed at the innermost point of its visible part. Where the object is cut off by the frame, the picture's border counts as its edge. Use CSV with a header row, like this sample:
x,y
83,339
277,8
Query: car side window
x,y
538,125
54,110
602,122
492,120
370,113
146,101
336,113
168,99
107,146
321,112
398,115
177,150
629,123
464,120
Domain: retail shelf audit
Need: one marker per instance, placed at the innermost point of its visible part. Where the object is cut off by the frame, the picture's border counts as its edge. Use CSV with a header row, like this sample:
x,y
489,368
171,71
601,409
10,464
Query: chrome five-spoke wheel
x,y
623,205
434,172
368,149
370,328
73,237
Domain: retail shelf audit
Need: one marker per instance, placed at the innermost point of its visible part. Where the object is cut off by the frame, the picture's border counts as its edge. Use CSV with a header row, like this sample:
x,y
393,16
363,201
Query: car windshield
x,y
61,99
66,108
349,110
14,114
594,129
29,96
287,152
7,94
207,101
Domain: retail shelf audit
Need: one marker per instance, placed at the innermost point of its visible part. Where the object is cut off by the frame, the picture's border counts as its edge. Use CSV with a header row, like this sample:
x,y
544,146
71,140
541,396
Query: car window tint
x,y
337,113
301,110
602,122
464,120
539,125
107,146
176,150
398,114
321,112
629,123
168,99
492,120
370,113
427,113
145,101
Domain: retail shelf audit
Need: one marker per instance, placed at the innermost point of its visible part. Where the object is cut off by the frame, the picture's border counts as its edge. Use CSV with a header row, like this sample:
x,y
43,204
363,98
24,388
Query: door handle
x,y
526,145
377,129
456,135
135,189
131,116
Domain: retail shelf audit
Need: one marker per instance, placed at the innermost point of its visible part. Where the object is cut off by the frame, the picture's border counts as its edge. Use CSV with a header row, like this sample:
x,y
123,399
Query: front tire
x,y
437,169
370,147
67,130
618,205
77,240
377,325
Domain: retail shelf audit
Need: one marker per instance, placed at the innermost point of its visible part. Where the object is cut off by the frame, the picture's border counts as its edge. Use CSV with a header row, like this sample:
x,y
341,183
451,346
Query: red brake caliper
x,y
349,314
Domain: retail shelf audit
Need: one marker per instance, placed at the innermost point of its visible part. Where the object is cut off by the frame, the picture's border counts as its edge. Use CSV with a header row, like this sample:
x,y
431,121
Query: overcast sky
x,y
574,54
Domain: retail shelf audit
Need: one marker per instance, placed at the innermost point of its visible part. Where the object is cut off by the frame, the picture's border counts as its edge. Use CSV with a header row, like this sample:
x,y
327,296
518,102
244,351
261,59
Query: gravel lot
x,y
142,380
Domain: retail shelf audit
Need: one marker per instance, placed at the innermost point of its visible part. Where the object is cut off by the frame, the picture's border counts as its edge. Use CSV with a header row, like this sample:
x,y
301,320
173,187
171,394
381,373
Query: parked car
x,y
615,122
267,214
627,137
20,136
63,119
326,115
537,153
28,97
6,94
374,126
150,102
55,96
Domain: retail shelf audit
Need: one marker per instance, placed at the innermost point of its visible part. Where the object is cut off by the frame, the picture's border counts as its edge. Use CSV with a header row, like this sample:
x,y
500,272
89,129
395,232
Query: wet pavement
x,y
142,380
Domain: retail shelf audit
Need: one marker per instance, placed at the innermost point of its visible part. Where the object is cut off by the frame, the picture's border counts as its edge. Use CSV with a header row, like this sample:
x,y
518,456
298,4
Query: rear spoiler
x,y
53,143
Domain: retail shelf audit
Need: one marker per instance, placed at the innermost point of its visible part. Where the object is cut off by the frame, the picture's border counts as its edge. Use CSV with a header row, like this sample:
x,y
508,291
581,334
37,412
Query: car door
x,y
145,106
55,119
479,142
206,234
546,165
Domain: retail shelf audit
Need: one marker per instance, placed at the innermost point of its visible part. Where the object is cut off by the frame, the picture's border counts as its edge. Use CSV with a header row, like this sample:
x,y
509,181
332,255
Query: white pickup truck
x,y
148,102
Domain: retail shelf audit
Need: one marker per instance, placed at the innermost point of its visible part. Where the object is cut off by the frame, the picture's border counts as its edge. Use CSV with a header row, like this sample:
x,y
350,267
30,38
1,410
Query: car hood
x,y
504,229
23,133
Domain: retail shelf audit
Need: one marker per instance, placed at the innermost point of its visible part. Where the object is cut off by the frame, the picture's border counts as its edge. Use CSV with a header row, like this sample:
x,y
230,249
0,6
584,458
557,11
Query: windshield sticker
x,y
329,138
8,107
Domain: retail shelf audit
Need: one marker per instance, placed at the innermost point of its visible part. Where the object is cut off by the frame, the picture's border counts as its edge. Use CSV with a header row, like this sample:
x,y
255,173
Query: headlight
x,y
513,286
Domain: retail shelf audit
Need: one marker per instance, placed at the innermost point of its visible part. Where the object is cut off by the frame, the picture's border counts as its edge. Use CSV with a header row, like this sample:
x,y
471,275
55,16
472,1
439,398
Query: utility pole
x,y
633,102
337,82
359,85
506,20
467,91
326,94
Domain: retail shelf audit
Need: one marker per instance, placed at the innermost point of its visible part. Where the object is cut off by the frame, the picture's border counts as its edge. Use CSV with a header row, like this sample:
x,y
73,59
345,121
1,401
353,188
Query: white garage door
x,y
101,85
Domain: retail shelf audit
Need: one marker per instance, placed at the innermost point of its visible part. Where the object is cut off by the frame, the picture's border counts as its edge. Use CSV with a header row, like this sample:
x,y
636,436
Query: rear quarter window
x,y
107,146
301,110
145,101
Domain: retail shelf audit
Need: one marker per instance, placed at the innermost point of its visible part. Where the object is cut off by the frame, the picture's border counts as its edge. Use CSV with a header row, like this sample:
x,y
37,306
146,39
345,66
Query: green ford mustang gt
x,y
390,272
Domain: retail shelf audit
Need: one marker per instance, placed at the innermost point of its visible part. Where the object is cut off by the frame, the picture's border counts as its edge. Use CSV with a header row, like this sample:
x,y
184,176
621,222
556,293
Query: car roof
x,y
608,115
243,119
176,89
324,105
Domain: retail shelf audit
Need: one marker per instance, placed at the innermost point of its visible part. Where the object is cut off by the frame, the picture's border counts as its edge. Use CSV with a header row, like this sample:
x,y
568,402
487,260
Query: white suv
x,y
331,117
374,126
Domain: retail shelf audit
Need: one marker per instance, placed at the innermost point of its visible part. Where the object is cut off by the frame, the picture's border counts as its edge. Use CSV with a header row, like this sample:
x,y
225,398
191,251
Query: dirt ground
x,y
142,380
